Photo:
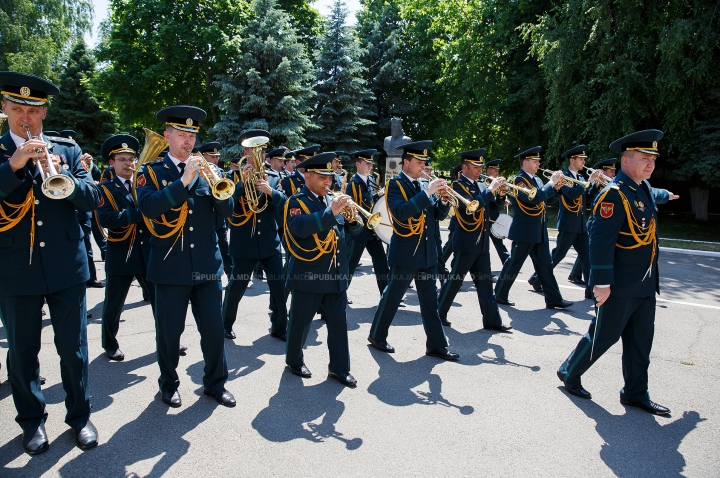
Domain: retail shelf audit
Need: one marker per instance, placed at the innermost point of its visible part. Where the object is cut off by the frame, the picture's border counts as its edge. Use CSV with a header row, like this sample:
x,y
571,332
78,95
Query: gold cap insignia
x,y
655,144
425,152
24,91
329,165
215,150
189,122
124,145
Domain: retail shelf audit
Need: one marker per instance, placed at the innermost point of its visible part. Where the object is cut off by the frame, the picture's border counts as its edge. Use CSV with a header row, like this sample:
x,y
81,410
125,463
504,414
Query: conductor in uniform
x,y
528,232
412,255
128,238
254,240
185,263
623,274
44,258
470,240
315,237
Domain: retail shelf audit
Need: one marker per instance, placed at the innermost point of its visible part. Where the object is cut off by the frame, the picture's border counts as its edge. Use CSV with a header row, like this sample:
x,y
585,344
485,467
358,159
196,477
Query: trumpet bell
x,y
473,206
374,220
255,141
223,189
58,186
531,194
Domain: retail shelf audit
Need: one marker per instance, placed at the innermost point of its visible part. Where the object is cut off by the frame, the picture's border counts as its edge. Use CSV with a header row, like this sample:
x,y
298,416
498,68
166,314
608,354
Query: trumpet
x,y
572,181
455,198
603,178
513,189
351,214
55,185
3,118
258,163
221,188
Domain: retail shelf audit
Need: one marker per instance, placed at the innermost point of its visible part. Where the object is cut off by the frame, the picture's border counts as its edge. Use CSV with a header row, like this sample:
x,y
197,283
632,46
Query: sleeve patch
x,y
294,212
607,209
141,180
102,201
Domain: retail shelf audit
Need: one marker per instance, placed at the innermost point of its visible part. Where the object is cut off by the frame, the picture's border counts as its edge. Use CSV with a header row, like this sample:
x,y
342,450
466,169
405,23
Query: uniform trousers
x,y
171,303
566,240
540,255
240,278
500,248
629,318
224,249
116,291
302,310
479,267
398,282
22,318
377,254
87,232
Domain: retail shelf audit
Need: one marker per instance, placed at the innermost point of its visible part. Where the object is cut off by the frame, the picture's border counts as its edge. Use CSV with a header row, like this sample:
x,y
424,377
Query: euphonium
x,y
455,197
221,188
351,214
257,144
55,185
572,181
154,144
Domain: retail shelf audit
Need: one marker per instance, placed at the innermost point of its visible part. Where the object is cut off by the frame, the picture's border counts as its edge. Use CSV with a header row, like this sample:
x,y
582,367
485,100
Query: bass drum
x,y
384,229
501,226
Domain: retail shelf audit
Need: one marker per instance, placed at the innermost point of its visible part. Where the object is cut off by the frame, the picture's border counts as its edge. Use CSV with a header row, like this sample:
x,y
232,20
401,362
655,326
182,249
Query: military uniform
x,y
129,245
471,246
254,240
44,258
493,216
317,273
528,232
359,189
624,256
185,262
445,251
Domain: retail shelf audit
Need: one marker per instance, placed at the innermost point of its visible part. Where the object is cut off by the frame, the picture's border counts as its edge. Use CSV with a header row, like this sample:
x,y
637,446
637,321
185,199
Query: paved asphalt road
x,y
499,411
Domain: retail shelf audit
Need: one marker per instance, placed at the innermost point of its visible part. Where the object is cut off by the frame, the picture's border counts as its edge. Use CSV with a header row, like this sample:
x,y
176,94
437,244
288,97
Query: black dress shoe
x,y
445,322
183,349
589,295
563,304
42,312
99,284
115,355
649,406
86,436
402,303
42,380
278,335
536,286
89,315
230,335
505,302
35,440
223,397
171,397
381,345
349,302
499,328
575,280
443,353
576,390
344,378
301,371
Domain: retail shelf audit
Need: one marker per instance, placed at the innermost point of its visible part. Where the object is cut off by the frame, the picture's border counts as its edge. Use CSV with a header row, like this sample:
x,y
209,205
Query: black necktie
x,y
127,184
417,185
182,168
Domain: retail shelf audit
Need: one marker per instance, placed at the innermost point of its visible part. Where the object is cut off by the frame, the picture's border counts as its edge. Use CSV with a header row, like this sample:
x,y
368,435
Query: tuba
x,y
54,185
154,144
255,159
221,188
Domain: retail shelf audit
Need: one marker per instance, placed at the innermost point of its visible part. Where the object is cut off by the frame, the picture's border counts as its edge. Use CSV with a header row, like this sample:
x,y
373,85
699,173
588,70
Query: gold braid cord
x,y
245,216
16,213
532,211
576,205
643,236
477,219
415,226
176,225
126,231
329,245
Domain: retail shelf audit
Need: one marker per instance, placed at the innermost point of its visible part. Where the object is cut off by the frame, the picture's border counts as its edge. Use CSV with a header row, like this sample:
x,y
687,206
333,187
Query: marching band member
x,y
413,253
294,183
623,274
44,258
492,169
528,232
315,238
470,241
185,263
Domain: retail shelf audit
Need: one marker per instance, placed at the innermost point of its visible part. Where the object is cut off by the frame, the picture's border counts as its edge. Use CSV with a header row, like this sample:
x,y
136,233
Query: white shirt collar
x,y
409,178
175,161
471,181
363,177
17,139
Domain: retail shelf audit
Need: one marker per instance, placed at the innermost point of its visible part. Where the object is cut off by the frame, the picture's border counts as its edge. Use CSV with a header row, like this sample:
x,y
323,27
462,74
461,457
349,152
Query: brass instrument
x,y
221,188
456,198
351,214
3,118
343,184
154,144
513,189
55,185
572,181
257,144
604,179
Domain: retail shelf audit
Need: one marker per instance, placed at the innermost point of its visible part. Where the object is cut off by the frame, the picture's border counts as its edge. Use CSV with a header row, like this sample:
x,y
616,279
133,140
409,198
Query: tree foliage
x,y
341,111
268,84
76,106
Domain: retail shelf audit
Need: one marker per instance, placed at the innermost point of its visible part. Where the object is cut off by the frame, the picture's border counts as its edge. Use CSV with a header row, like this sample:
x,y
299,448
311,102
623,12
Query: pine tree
x,y
76,106
343,98
268,86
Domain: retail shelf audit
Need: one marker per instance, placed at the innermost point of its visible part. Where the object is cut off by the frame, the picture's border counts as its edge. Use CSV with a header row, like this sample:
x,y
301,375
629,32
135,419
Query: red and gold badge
x,y
606,209
141,180
294,212
102,201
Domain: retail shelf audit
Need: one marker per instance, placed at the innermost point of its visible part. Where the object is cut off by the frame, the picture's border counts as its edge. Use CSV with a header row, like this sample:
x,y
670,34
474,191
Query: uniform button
x,y
141,243
191,228
37,201
426,238
42,244
39,223
140,230
259,232
192,246
190,211
259,220
34,181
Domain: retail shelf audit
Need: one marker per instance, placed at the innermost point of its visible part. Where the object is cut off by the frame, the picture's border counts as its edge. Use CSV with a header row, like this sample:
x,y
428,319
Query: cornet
x,y
603,178
456,198
350,213
513,189
572,181
55,185
221,188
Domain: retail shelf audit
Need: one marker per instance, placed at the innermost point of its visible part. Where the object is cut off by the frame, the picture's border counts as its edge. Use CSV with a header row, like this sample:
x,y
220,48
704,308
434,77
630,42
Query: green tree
x,y
34,34
268,85
162,53
341,111
76,106
306,20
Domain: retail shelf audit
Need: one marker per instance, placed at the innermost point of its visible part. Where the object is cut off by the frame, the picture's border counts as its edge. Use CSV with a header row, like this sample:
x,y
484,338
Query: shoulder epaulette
x,y
62,141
